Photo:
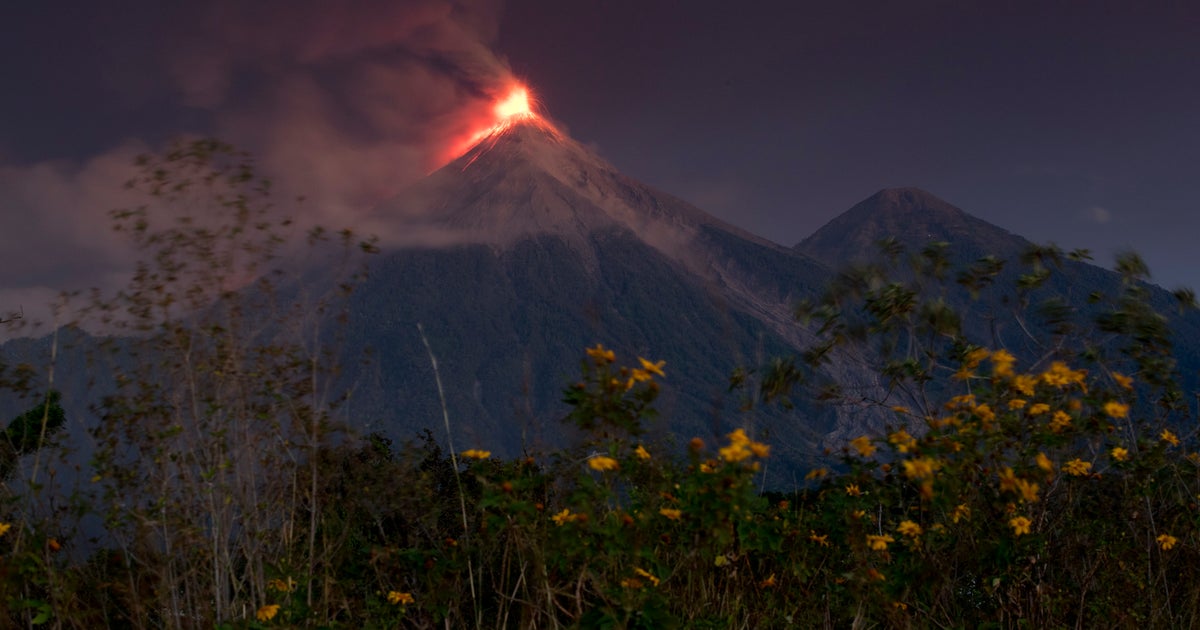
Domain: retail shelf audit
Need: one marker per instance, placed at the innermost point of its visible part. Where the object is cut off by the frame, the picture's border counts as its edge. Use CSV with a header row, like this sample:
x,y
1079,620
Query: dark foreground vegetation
x,y
1052,486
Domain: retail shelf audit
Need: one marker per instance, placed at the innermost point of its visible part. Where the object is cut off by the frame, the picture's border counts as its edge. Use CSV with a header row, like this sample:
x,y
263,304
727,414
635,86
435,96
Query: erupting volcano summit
x,y
522,177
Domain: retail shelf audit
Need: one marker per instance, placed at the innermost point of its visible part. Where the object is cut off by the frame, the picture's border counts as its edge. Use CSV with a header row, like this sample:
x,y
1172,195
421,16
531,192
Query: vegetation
x,y
1050,485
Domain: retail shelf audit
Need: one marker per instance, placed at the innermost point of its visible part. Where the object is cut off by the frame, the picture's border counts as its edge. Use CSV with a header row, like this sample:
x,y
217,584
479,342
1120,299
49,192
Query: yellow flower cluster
x,y
1116,409
603,463
475,453
920,468
647,372
742,448
566,516
671,513
601,355
1060,422
283,586
267,613
1002,364
398,598
1077,467
863,445
910,529
902,441
1061,376
879,543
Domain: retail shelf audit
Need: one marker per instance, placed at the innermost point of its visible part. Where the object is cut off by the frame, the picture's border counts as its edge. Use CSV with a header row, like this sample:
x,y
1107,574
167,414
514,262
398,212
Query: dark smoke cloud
x,y
342,103
345,103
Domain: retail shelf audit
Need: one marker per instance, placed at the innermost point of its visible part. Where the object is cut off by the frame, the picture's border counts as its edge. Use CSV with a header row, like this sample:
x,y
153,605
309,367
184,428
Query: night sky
x,y
1077,123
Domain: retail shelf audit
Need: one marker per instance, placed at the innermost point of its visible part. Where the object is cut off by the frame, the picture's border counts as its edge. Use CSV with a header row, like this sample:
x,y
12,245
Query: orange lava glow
x,y
515,105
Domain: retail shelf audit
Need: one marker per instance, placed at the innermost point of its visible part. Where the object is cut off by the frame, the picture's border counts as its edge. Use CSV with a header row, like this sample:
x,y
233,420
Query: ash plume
x,y
341,103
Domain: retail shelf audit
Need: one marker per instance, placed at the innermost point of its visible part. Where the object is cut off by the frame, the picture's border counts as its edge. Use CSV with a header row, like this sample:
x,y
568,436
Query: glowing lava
x,y
516,104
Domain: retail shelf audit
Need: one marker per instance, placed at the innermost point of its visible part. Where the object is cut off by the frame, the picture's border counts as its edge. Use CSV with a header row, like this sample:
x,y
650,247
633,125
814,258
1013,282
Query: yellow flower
x,y
601,355
476,454
1002,362
1037,409
396,597
1119,454
974,357
768,583
853,490
920,468
1116,409
985,413
1060,421
863,445
672,514
858,514
738,449
879,543
1017,403
564,517
646,574
641,452
281,585
1124,381
1044,462
759,449
1020,525
4,527
909,528
1166,541
817,473
654,368
1008,480
268,612
1060,376
1077,467
820,539
1169,437
637,375
602,463
965,400
902,441
1028,490
1025,384
961,512
734,453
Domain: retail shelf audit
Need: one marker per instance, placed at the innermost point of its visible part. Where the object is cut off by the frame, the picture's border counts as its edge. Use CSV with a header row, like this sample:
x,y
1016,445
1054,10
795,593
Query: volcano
x,y
528,248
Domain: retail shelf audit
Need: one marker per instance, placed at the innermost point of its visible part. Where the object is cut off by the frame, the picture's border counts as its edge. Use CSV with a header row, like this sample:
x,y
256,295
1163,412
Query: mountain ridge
x,y
913,217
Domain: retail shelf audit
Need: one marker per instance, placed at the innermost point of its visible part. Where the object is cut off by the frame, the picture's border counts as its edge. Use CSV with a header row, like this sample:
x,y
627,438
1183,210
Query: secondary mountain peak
x,y
913,217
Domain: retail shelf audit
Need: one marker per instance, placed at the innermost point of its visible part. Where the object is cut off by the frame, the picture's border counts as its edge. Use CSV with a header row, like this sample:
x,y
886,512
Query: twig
x,y
462,500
